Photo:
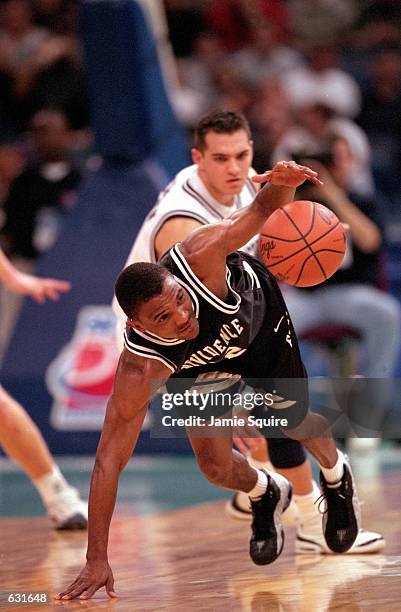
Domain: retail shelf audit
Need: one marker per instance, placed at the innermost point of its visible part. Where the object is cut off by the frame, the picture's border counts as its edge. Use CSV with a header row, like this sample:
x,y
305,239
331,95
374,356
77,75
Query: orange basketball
x,y
302,243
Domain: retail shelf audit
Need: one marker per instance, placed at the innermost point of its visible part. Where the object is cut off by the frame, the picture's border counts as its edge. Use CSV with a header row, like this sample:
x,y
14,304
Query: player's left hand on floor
x,y
93,577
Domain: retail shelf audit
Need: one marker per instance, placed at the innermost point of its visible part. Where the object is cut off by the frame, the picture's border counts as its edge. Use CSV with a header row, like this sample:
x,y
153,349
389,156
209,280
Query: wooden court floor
x,y
196,559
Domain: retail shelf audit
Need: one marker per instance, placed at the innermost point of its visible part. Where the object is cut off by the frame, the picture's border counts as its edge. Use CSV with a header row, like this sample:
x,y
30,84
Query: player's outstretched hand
x,y
93,577
288,174
39,289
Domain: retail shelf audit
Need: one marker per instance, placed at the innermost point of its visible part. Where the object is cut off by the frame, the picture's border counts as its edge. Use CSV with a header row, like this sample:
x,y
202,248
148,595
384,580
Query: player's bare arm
x,y
206,249
39,289
136,381
172,231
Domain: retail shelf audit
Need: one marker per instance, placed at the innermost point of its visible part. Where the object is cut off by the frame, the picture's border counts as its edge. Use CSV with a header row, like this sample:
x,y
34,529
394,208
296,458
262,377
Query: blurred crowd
x,y
302,71
44,130
44,117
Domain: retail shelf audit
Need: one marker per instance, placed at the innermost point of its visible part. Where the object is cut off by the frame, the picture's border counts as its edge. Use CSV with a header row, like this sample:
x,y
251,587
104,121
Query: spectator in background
x,y
37,201
197,78
322,80
270,117
57,16
185,22
380,118
39,68
20,40
379,24
232,92
351,297
11,165
47,184
57,80
321,20
313,124
233,20
264,56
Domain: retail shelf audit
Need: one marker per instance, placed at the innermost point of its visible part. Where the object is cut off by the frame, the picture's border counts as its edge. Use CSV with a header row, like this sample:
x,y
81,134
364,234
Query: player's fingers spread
x,y
74,592
39,298
52,294
67,590
89,592
62,286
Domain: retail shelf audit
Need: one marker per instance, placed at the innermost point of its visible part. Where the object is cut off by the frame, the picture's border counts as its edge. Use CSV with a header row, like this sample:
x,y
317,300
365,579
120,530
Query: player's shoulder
x,y
176,188
180,179
186,173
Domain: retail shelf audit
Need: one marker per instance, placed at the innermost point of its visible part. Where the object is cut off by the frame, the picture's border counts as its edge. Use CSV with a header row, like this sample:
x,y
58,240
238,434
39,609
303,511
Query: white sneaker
x,y
239,507
68,511
309,539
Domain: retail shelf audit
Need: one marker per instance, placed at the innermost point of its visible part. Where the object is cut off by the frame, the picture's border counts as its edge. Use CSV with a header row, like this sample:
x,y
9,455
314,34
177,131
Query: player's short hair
x,y
221,122
139,283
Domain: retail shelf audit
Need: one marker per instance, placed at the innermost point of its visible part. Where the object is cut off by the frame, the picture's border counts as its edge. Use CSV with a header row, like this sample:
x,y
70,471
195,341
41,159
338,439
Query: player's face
x,y
170,314
224,164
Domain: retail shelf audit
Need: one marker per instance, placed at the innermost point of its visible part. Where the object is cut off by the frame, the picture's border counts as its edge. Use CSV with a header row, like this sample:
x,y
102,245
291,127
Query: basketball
x,y
302,243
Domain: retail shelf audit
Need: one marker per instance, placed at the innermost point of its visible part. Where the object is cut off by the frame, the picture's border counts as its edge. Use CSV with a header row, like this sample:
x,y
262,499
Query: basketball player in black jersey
x,y
208,308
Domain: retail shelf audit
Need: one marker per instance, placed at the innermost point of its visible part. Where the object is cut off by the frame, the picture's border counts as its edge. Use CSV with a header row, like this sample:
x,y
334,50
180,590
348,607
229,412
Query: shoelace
x,y
342,518
322,499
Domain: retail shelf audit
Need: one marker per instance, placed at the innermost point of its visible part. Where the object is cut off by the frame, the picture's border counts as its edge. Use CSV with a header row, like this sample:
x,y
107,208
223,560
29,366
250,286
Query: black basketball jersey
x,y
226,328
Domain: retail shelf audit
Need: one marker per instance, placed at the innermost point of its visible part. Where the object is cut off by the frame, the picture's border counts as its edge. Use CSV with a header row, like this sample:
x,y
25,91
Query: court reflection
x,y
322,584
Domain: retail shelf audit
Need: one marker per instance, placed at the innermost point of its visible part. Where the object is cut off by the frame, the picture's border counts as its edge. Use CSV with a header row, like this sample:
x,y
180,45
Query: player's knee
x,y
379,310
286,453
312,426
392,313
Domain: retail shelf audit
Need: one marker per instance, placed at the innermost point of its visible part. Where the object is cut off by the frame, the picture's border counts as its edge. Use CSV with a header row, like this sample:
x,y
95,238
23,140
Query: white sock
x,y
305,501
260,487
258,465
50,485
306,505
333,475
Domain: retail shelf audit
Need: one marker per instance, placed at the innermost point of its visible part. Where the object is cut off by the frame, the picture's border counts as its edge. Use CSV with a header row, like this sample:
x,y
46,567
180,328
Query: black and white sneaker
x,y
267,538
341,518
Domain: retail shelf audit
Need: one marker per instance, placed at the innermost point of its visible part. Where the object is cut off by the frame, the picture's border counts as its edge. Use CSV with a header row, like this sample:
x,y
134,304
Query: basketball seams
x,y
304,237
320,265
299,264
307,246
301,235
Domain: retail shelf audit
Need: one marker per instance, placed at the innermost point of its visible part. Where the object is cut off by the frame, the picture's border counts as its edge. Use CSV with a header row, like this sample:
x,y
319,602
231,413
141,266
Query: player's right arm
x,y
212,243
136,380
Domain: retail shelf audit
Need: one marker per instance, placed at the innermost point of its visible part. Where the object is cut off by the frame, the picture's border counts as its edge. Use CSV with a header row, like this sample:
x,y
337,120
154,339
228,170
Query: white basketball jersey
x,y
185,196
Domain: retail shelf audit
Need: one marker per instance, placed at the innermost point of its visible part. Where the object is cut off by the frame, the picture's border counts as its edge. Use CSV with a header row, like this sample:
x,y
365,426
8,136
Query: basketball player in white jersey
x,y
210,190
20,439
